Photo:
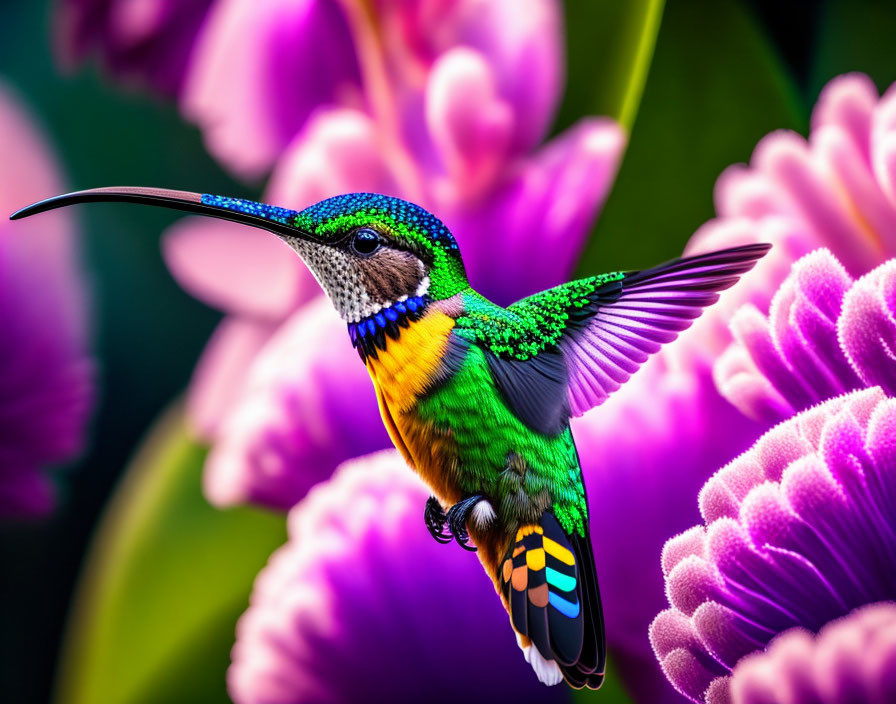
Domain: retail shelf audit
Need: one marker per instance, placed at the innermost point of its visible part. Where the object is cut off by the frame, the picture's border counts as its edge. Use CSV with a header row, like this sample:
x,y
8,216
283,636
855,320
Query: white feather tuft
x,y
483,514
546,671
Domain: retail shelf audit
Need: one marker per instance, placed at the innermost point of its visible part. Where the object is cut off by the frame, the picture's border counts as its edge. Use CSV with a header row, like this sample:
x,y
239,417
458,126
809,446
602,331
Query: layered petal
x,y
824,335
362,588
260,70
307,406
851,659
867,327
798,531
833,186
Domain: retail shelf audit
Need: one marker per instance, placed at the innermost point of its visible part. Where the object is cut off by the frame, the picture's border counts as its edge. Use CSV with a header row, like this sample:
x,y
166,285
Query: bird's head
x,y
366,250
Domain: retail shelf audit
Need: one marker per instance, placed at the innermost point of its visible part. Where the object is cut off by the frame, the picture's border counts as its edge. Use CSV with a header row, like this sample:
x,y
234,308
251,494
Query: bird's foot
x,y
435,518
455,520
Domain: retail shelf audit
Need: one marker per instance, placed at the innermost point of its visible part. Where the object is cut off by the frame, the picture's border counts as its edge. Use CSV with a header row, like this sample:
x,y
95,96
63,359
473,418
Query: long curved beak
x,y
280,221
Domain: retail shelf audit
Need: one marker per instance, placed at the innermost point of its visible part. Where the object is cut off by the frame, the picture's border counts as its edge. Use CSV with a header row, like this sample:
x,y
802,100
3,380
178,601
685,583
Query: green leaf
x,y
609,46
855,35
165,580
715,87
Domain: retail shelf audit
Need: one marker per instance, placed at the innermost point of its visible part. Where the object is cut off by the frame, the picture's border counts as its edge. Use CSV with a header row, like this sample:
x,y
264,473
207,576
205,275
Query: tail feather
x,y
593,660
550,588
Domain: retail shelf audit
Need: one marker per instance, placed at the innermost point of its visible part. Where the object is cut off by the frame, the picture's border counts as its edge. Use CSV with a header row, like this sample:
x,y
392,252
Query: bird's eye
x,y
365,242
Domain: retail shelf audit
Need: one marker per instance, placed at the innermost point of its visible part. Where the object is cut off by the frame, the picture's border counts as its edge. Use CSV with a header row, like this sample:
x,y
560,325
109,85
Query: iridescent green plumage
x,y
532,324
498,455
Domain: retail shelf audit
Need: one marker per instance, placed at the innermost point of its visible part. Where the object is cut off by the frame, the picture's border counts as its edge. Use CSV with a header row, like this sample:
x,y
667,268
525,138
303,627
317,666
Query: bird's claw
x,y
435,519
455,520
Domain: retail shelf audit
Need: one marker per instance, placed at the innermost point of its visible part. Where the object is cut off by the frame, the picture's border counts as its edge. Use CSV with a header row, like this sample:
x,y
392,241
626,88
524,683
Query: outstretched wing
x,y
612,330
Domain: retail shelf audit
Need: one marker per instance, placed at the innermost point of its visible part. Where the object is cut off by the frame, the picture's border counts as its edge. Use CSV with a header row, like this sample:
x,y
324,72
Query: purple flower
x,y
46,375
362,602
461,146
824,335
852,659
798,531
835,190
146,41
308,405
260,70
646,452
264,69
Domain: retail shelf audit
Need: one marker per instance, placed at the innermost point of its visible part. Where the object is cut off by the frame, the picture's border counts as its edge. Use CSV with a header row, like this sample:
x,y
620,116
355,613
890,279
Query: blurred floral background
x,y
198,502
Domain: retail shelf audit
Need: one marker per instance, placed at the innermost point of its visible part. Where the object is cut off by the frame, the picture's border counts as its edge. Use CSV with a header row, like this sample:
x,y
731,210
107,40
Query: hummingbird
x,y
478,397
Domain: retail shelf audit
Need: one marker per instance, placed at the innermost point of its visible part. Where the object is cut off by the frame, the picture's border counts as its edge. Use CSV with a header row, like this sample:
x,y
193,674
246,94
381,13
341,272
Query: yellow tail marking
x,y
558,551
528,530
535,559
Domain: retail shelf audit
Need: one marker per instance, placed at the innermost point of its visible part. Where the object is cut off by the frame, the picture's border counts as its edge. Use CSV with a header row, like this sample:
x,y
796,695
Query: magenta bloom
x,y
649,449
362,604
279,391
46,375
824,335
458,88
798,531
835,190
852,659
148,41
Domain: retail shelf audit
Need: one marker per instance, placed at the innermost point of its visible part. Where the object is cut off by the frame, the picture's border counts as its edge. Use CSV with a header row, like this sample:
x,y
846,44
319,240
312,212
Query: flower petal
x,y
259,70
528,236
470,124
221,372
46,374
307,406
361,587
338,151
235,268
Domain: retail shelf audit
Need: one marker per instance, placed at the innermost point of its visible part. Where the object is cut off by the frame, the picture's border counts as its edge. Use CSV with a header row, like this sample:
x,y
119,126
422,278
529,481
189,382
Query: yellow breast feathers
x,y
405,369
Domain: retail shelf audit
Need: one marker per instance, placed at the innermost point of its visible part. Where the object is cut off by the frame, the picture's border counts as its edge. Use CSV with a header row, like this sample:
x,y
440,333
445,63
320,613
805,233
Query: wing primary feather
x,y
635,315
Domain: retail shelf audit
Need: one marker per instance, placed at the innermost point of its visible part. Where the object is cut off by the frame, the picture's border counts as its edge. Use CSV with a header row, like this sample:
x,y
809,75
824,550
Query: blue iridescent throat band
x,y
371,332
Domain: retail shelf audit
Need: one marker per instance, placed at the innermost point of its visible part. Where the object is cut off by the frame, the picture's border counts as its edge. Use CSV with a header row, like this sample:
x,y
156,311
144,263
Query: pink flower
x,y
834,190
798,532
646,452
373,608
46,374
824,335
852,659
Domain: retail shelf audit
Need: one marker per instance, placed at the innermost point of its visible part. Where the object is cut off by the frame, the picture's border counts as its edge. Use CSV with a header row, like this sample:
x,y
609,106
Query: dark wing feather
x,y
535,389
589,670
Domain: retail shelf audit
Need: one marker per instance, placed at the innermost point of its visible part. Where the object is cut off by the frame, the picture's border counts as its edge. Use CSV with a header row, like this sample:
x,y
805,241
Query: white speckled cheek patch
x,y
335,272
